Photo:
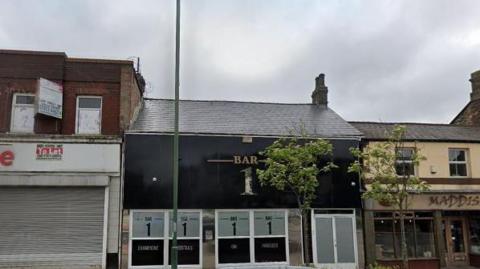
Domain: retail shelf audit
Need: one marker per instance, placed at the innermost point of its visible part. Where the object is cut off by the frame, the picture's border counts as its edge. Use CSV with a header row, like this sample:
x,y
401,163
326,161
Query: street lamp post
x,y
174,250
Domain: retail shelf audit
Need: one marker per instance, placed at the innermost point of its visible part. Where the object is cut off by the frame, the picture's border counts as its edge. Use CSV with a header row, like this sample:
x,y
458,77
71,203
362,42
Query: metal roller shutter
x,y
51,227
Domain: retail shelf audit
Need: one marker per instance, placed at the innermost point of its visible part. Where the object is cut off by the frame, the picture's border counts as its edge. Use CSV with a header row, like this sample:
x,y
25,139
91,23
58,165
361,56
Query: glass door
x,y
334,243
455,238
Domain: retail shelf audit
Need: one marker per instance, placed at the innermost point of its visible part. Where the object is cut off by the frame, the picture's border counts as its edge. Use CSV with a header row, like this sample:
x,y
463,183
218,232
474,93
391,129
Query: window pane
x,y
23,119
425,239
405,168
458,170
461,169
84,102
269,223
344,237
457,155
233,223
404,154
475,236
148,224
410,236
453,170
24,99
384,239
88,121
324,231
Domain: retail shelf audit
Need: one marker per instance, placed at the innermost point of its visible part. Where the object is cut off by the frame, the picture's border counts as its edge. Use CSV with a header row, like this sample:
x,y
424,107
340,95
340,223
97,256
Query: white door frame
x,y
314,240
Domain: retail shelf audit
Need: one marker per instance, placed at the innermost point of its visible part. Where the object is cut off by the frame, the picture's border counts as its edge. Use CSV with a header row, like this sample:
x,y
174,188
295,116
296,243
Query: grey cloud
x,y
384,60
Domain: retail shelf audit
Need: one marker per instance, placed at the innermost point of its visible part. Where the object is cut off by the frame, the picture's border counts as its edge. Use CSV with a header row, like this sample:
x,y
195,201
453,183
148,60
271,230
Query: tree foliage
x,y
378,165
291,164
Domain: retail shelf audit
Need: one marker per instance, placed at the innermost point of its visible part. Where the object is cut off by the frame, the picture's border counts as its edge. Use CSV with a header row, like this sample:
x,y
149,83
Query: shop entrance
x,y
334,240
455,231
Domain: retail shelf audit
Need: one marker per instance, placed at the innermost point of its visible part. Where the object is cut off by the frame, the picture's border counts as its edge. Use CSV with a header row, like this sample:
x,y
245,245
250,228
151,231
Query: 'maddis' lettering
x,y
6,158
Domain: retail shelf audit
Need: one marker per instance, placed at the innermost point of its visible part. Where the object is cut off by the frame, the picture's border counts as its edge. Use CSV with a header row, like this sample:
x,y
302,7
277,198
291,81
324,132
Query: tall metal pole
x,y
174,250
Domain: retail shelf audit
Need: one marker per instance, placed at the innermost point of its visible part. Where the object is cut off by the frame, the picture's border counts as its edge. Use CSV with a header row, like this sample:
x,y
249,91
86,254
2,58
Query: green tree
x,y
291,164
384,168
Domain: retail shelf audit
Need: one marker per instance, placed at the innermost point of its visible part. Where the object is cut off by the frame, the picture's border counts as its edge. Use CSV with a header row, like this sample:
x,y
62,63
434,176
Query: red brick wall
x,y
19,72
110,104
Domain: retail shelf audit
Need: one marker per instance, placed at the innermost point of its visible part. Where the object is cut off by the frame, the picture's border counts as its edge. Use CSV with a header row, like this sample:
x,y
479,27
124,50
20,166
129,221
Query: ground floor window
x,y
251,236
418,230
151,237
474,235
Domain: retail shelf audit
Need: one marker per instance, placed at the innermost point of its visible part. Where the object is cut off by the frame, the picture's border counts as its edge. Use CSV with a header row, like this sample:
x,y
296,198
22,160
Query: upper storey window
x,y
457,160
404,164
89,115
23,113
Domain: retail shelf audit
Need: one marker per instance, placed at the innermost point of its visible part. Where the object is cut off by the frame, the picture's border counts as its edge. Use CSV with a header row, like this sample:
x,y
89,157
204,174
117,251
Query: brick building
x,y
61,126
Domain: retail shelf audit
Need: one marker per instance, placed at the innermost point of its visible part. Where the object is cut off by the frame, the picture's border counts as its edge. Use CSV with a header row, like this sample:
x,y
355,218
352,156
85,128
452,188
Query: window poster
x,y
235,223
234,250
148,224
147,252
269,223
188,224
188,251
270,249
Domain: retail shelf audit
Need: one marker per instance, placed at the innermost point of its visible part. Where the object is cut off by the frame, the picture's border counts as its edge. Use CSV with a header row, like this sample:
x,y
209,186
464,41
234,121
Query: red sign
x,y
6,158
49,151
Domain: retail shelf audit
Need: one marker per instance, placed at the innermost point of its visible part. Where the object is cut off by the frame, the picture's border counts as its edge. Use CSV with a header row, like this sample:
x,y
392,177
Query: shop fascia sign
x,y
455,200
247,172
59,156
49,99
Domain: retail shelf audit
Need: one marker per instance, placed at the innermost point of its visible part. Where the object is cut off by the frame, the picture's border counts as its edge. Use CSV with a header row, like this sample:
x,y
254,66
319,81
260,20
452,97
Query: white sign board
x,y
49,98
32,157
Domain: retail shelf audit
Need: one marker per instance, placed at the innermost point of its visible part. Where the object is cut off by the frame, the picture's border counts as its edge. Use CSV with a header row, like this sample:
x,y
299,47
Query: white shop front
x,y
59,201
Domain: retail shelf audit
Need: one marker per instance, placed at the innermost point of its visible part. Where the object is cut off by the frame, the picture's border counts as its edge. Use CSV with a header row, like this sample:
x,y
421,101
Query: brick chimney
x,y
320,93
475,80
470,114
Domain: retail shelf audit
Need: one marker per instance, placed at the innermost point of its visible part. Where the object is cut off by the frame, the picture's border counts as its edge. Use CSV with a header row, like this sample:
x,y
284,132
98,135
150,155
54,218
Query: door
x,y
334,244
456,241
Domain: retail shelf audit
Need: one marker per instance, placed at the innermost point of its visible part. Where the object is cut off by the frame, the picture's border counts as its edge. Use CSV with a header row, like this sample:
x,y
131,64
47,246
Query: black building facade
x,y
226,219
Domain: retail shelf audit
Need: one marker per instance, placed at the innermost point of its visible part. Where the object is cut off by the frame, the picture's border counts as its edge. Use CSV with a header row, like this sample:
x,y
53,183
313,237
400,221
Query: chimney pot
x,y
320,93
475,80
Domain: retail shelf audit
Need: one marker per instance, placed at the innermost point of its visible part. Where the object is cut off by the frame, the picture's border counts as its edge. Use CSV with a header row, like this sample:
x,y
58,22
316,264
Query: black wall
x,y
204,185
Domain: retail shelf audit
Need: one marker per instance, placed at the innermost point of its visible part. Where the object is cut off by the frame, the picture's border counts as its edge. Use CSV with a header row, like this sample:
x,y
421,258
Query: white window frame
x,y
166,238
314,238
12,112
77,109
397,161
466,162
251,238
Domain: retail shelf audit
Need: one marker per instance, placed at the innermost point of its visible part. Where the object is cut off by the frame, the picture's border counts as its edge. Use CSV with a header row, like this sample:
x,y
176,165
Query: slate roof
x,y
420,131
241,118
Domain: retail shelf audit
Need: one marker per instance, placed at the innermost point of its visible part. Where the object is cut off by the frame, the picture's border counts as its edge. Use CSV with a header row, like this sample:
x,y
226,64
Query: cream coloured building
x,y
443,224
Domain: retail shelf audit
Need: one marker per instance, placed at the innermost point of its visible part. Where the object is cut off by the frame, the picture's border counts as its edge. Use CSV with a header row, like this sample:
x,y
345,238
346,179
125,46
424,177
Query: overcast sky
x,y
383,60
